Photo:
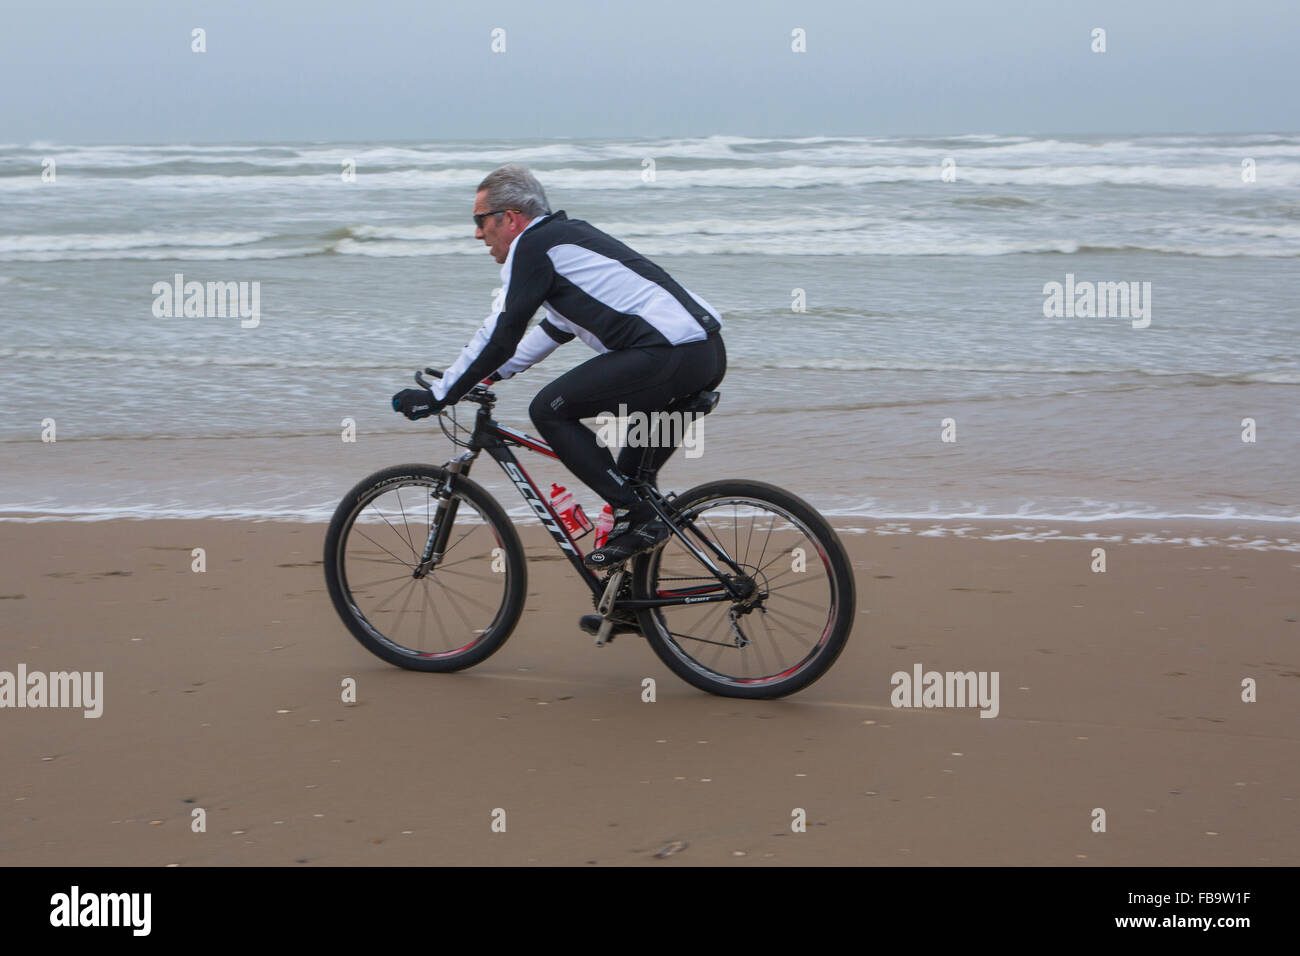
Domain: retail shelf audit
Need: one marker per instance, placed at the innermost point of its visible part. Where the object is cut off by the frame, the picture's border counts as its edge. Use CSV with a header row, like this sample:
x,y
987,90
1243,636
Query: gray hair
x,y
515,187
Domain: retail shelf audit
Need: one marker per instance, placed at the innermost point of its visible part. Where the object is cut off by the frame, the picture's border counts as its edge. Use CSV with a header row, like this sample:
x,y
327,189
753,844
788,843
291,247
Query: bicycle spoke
x,y
404,540
402,613
770,525
806,577
406,524
455,607
458,541
758,649
464,574
379,607
446,639
735,526
715,609
371,584
794,600
692,637
404,564
776,649
466,597
443,565
795,584
749,540
424,618
775,558
789,615
794,634
359,558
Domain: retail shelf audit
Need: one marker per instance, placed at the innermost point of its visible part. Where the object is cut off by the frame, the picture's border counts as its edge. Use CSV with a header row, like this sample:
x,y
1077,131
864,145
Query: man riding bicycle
x,y
657,342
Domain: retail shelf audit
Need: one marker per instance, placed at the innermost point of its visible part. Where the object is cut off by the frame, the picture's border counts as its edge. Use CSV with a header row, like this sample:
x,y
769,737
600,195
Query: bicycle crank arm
x,y
606,606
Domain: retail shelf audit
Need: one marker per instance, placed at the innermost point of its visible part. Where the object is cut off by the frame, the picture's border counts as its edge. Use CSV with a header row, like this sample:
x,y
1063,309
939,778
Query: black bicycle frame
x,y
497,440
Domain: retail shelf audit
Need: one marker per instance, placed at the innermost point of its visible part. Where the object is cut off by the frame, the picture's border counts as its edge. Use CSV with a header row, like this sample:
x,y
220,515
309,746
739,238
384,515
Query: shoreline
x,y
1230,531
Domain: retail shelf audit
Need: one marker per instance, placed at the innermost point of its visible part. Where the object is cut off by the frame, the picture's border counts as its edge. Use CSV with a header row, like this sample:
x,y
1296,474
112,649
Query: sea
x,y
919,329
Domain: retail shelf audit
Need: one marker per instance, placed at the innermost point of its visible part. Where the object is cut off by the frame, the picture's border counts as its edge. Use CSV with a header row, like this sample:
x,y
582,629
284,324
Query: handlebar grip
x,y
421,380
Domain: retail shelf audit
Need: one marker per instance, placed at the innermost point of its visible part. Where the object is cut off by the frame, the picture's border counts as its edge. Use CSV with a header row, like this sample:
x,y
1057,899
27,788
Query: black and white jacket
x,y
592,286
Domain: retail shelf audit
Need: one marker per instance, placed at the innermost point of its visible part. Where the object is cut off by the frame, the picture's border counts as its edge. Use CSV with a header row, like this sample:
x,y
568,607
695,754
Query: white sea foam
x,y
989,527
1222,175
182,253
83,242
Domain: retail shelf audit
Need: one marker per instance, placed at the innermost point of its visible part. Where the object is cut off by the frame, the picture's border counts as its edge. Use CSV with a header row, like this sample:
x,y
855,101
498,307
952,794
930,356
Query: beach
x,y
1043,386
1120,691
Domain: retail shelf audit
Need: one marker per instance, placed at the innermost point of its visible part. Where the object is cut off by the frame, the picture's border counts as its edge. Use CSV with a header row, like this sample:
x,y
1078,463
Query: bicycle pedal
x,y
591,624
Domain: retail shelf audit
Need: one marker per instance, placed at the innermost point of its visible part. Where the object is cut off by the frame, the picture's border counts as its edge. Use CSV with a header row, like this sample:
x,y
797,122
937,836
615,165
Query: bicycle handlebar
x,y
479,393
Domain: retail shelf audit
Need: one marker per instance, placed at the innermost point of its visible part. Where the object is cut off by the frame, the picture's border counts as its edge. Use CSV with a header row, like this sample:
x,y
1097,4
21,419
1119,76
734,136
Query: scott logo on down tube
x,y
538,506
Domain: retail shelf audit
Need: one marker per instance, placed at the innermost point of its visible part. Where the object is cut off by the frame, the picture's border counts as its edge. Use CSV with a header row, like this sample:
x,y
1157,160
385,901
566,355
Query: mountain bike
x,y
751,596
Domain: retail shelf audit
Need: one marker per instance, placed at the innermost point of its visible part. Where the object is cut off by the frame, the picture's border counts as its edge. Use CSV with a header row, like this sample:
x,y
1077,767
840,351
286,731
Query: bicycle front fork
x,y
435,545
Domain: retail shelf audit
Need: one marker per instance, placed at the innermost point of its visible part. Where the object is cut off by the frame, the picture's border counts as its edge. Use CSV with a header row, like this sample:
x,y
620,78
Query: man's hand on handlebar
x,y
416,403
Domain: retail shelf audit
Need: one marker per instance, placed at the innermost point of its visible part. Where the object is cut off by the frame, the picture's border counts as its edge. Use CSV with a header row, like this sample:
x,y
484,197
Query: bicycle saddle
x,y
701,403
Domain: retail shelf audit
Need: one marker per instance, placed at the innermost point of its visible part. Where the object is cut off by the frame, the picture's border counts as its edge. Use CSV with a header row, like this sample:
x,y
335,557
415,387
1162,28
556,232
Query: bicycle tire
x,y
489,639
830,642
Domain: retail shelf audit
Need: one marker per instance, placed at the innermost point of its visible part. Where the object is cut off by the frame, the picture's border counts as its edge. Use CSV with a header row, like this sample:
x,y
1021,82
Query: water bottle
x,y
603,526
570,512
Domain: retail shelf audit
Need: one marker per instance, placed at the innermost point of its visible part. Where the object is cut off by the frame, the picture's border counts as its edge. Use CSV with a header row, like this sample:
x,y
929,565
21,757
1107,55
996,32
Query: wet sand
x,y
1120,691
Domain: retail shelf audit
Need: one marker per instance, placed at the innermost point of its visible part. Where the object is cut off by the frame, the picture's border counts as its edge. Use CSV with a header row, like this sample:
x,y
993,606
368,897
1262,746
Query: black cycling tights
x,y
645,380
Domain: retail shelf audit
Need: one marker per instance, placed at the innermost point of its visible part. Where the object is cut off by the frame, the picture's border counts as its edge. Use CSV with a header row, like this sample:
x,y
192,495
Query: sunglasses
x,y
481,217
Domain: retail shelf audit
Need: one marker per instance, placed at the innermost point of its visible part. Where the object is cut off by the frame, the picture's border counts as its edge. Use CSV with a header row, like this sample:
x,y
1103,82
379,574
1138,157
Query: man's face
x,y
497,232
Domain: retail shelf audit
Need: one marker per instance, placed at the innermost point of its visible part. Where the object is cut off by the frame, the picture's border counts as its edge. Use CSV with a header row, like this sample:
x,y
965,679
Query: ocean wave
x,y
187,359
977,149
804,244
801,175
822,244
84,242
186,254
1190,376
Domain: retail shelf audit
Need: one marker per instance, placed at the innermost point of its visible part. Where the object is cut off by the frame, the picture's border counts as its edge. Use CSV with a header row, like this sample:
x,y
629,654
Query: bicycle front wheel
x,y
798,610
425,577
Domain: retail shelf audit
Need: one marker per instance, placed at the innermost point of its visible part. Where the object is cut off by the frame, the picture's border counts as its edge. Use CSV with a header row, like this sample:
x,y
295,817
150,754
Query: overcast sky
x,y
122,70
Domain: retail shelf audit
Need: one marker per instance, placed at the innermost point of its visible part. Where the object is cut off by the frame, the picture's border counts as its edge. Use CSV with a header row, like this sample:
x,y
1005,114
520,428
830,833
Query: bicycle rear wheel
x,y
796,619
443,615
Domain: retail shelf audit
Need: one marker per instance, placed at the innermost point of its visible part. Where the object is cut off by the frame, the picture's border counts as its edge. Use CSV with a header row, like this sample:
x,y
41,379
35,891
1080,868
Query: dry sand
x,y
1119,691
